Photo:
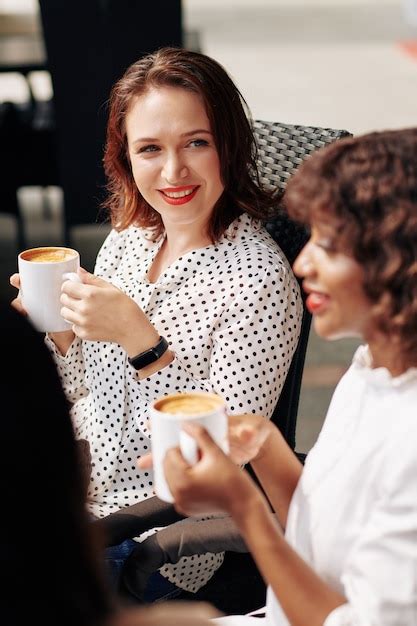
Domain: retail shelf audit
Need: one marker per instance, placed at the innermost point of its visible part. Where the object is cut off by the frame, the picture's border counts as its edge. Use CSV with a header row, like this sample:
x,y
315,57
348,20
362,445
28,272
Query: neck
x,y
180,240
385,353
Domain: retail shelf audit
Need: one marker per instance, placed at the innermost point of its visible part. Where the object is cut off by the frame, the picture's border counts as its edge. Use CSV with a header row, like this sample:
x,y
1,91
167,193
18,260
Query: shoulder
x,y
250,242
118,244
123,238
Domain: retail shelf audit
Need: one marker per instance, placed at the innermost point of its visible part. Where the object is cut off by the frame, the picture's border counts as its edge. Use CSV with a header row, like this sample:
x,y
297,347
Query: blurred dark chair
x,y
237,587
28,153
89,45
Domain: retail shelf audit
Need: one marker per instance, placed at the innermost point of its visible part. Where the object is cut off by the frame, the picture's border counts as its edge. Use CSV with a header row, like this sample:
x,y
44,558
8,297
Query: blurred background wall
x,y
349,64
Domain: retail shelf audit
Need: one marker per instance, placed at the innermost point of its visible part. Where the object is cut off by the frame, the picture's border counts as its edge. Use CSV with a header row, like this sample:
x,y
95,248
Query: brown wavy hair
x,y
366,187
230,123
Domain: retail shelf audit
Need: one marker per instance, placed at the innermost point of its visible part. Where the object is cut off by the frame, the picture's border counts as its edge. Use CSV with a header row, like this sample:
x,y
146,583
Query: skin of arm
x,y
278,470
215,483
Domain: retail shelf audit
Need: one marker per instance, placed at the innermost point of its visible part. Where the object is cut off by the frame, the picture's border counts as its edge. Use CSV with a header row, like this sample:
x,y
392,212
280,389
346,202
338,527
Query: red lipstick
x,y
316,302
187,193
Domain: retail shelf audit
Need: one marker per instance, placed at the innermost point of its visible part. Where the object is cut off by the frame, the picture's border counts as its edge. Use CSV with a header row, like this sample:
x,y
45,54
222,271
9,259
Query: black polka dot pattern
x,y
231,313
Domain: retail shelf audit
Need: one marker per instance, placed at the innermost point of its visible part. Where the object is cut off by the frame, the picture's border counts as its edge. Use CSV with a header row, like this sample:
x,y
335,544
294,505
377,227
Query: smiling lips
x,y
316,302
179,195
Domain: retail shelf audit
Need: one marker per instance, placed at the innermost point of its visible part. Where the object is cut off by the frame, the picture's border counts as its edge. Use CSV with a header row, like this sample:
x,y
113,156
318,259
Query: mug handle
x,y
189,448
71,276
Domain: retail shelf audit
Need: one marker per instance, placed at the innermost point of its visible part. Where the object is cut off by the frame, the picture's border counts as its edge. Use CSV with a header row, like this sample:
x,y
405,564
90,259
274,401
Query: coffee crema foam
x,y
48,255
189,404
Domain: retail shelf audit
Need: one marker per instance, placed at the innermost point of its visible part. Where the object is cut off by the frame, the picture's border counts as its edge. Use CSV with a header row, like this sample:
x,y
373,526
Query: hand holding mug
x,y
247,435
212,485
41,274
99,311
169,416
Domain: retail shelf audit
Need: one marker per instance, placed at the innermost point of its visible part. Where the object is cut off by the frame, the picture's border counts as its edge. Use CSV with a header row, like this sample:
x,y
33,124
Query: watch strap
x,y
149,356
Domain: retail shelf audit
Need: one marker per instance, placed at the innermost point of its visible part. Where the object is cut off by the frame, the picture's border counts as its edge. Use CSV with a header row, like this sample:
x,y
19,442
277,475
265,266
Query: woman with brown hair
x,y
189,293
348,556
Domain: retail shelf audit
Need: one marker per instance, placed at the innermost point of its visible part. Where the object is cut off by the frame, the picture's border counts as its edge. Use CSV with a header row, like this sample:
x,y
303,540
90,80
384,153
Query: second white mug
x,y
167,414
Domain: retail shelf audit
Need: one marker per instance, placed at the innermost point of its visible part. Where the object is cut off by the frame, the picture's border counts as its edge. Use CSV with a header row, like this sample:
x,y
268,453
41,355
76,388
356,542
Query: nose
x,y
302,265
174,168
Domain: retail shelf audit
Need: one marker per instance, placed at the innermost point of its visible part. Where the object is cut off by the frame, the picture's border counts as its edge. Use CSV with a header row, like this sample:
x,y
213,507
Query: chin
x,y
333,334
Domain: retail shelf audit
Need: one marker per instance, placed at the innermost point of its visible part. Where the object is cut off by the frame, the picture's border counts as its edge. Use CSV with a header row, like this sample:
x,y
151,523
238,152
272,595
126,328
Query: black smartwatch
x,y
149,356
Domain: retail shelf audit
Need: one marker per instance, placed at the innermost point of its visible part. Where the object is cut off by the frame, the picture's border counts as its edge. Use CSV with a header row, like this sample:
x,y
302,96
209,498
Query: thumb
x,y
90,279
201,435
145,461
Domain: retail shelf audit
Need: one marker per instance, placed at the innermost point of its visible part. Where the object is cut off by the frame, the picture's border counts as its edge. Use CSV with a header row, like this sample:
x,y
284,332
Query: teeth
x,y
178,194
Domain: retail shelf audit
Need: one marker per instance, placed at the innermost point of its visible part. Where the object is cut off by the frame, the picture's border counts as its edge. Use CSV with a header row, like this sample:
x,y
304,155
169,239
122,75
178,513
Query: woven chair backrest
x,y
281,149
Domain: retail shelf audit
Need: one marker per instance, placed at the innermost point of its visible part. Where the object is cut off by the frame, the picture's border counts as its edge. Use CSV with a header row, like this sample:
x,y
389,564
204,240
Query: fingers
x,y
15,281
73,289
76,288
17,304
70,315
174,464
145,461
201,435
176,471
91,279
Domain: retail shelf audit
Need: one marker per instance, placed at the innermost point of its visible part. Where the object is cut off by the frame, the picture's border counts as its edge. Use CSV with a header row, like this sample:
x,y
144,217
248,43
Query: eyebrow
x,y
198,131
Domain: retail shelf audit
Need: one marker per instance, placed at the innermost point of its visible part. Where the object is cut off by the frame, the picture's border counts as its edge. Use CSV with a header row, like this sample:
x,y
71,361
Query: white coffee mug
x,y
167,414
42,272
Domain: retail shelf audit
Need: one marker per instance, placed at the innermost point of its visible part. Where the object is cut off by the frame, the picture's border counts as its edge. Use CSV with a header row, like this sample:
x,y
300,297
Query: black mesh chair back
x,y
281,149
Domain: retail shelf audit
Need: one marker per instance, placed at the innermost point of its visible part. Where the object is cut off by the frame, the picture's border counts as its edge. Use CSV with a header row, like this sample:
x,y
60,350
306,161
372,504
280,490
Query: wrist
x,y
62,340
251,514
148,356
268,444
246,497
158,365
137,342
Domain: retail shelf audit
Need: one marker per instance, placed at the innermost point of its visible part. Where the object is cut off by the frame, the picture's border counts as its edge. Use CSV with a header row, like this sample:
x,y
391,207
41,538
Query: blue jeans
x,y
158,587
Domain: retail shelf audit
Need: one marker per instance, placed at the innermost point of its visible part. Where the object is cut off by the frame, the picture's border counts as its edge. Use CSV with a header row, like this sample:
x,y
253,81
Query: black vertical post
x,y
89,44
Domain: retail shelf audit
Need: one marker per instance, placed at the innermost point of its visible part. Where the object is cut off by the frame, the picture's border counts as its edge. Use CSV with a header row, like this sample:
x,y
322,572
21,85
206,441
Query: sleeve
x,y
252,347
380,577
70,368
110,254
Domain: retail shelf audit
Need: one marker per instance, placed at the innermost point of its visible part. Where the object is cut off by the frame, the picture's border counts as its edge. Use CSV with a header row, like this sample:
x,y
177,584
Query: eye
x,y
197,143
149,148
327,244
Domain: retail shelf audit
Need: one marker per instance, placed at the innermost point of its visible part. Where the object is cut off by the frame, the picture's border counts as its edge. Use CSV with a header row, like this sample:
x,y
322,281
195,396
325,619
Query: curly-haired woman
x,y
349,553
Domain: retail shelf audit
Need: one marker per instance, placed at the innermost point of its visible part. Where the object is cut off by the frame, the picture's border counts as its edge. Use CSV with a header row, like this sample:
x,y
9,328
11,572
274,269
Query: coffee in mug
x,y
167,414
188,404
48,255
42,271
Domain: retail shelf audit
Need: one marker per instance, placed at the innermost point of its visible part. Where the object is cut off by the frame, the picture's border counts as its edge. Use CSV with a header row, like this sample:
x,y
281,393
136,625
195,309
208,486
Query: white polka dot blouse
x,y
231,313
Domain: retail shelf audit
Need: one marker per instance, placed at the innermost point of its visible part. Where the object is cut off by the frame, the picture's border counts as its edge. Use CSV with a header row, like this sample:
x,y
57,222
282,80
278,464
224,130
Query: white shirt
x,y
353,516
232,315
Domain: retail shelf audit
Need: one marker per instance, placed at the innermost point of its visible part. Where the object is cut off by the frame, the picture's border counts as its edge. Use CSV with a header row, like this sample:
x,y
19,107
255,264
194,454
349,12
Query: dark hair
x,y
42,489
366,187
230,124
